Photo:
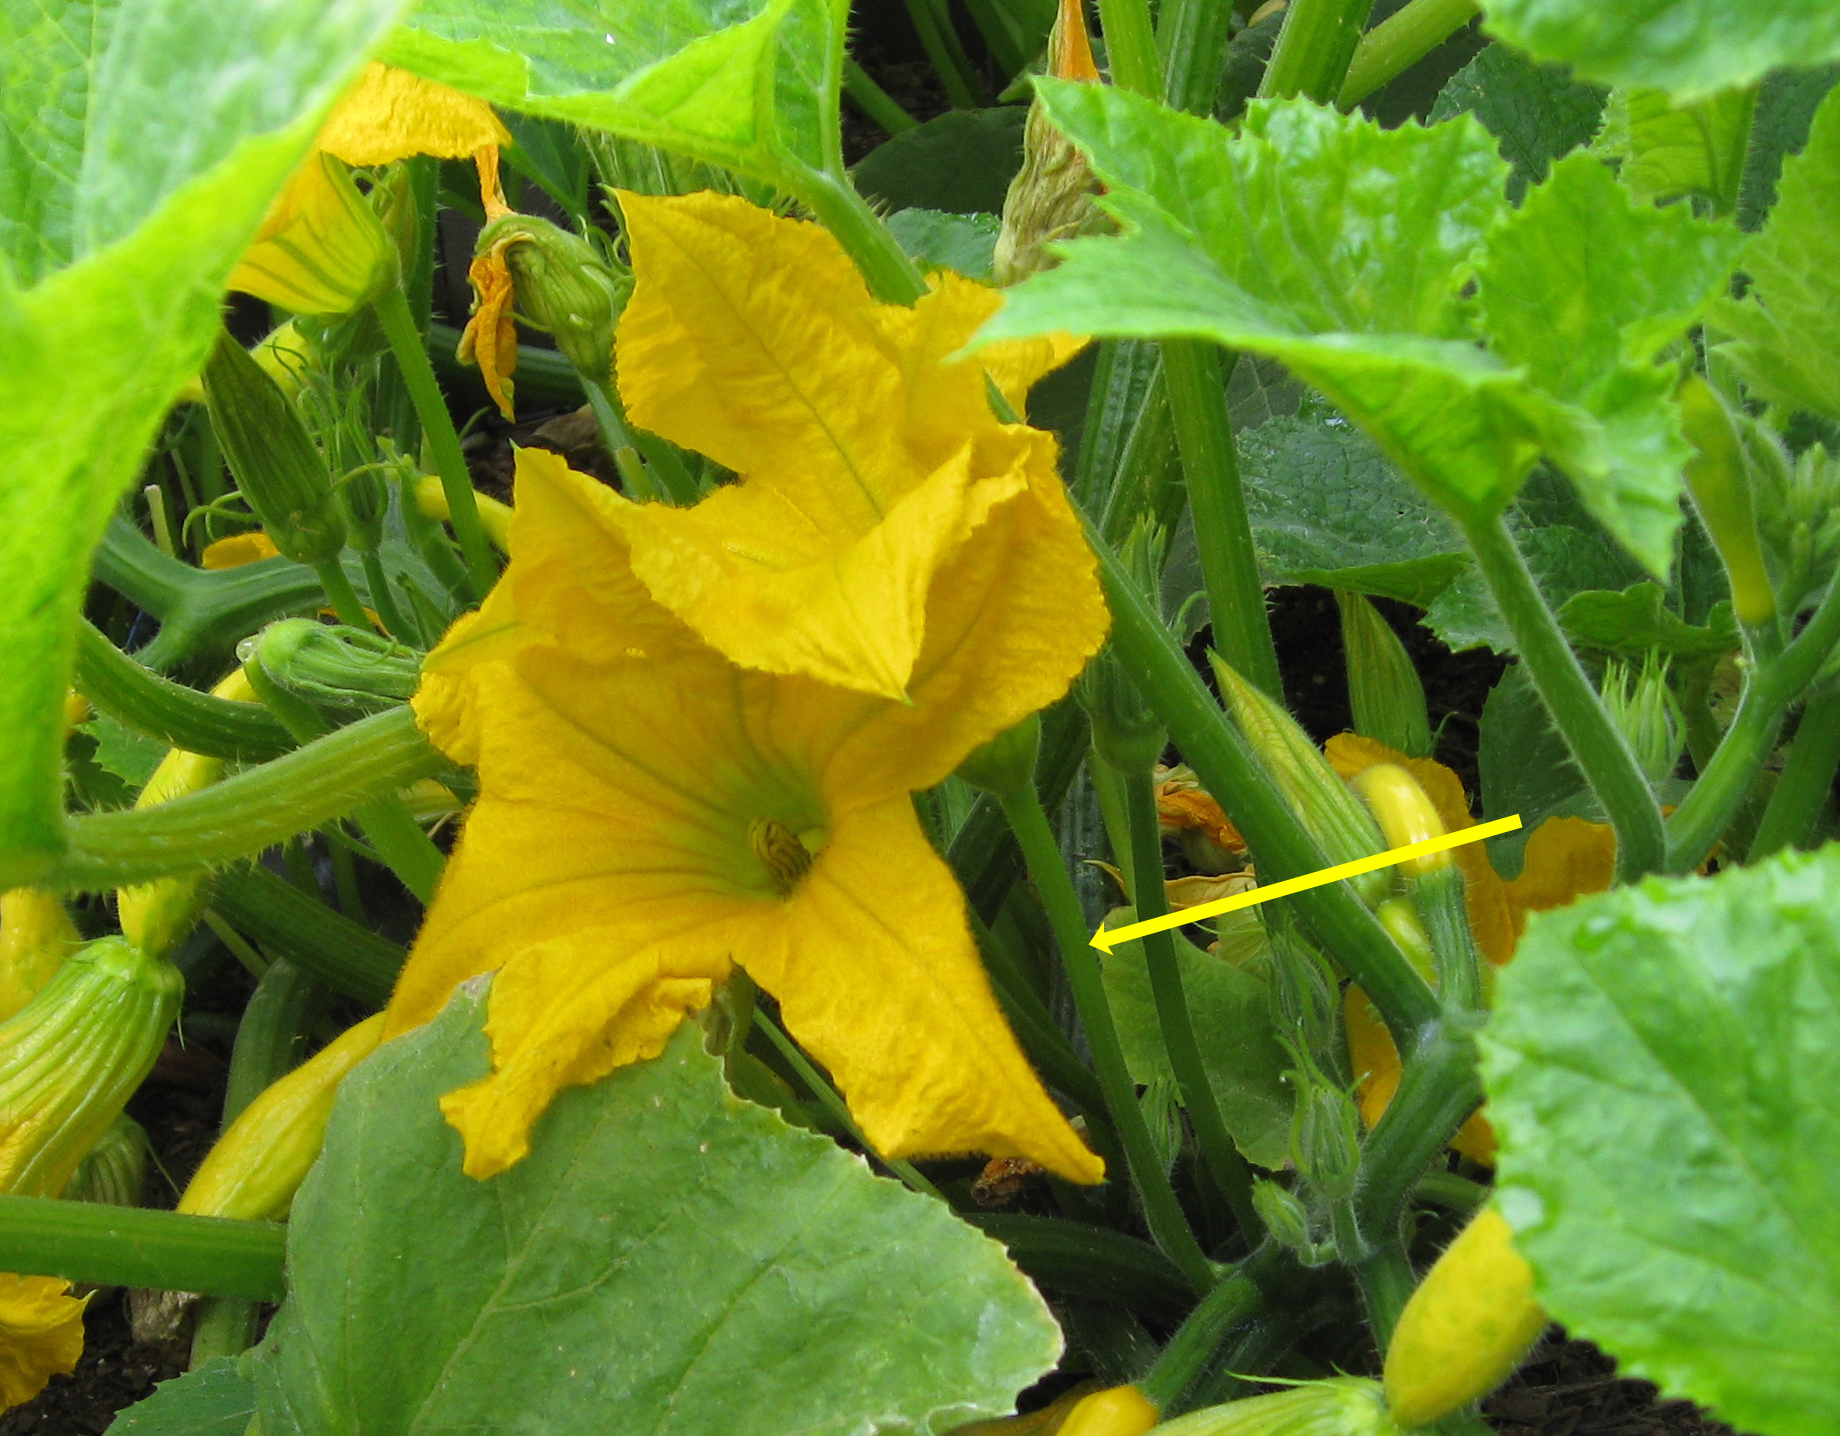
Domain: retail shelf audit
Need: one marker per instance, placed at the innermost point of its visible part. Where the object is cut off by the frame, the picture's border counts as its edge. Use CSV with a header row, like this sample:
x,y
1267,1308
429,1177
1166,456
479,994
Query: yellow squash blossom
x,y
1565,858
36,935
237,550
870,462
41,1334
320,250
651,814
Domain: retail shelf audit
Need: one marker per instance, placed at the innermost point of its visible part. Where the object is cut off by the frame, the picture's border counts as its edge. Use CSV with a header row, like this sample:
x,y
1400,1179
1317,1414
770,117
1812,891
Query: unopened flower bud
x,y
257,1166
1326,1137
156,916
71,1058
1341,1406
36,935
1005,765
1341,825
1400,919
1644,708
1125,733
1383,687
1051,197
1285,1217
320,250
280,472
115,1169
348,671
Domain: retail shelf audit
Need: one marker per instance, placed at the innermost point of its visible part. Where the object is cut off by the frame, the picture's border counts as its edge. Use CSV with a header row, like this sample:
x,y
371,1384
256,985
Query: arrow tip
x,y
1103,940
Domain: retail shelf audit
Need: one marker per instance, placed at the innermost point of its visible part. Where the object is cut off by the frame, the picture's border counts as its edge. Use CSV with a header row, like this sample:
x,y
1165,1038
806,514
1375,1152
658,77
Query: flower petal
x,y
319,249
390,114
41,1334
563,1014
490,337
879,979
237,550
865,460
1565,859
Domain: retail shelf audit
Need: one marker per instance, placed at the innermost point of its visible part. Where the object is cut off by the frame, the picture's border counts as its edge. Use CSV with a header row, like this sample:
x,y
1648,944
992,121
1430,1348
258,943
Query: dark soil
x,y
1570,1388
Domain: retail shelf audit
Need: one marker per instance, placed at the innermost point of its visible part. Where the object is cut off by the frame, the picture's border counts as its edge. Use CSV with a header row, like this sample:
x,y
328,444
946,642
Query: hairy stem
x,y
1314,48
1400,41
1807,779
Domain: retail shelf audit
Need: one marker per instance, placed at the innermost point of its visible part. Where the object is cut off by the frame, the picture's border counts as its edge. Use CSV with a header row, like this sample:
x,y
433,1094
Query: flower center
x,y
785,858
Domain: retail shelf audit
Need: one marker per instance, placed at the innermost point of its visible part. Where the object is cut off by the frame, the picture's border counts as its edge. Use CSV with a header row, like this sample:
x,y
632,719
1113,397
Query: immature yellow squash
x,y
1466,1328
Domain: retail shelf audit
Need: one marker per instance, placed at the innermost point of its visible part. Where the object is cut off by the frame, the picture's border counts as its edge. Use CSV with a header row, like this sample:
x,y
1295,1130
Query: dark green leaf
x,y
1688,47
1327,508
960,163
215,1400
1787,330
139,148
1786,103
1525,768
964,243
1584,287
1231,1009
668,1259
750,84
1537,112
1664,1072
1636,621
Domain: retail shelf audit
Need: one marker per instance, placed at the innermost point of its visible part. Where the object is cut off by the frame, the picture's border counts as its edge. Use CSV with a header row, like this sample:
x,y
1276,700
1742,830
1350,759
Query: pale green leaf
x,y
668,1259
1231,1009
1689,48
1584,287
1664,1072
1667,150
1786,332
748,84
1537,113
216,1399
195,116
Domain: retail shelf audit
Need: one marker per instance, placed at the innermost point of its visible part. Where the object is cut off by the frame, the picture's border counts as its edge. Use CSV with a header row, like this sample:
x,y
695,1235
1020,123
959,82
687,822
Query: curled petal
x,y
390,114
490,337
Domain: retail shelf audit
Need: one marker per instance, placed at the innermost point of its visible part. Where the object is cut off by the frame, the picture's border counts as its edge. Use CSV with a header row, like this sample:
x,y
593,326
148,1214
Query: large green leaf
x,y
749,84
1326,507
1666,150
1664,1073
1786,103
668,1259
168,127
1525,768
1583,287
214,1400
1231,1008
1536,112
1688,47
1787,330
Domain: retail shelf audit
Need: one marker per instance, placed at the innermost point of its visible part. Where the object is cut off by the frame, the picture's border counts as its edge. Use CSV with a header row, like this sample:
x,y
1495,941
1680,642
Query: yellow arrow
x,y
1105,938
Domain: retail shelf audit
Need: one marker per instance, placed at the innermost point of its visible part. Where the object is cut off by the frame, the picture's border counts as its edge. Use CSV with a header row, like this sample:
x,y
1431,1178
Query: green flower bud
x,y
564,287
71,1058
281,474
1400,919
1005,765
1339,822
1326,1136
1383,687
1720,484
1644,708
1342,1406
347,670
115,1169
1285,1217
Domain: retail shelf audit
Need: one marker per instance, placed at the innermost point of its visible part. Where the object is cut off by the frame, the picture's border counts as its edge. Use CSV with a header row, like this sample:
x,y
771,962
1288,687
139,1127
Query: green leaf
x,y
169,126
1689,48
668,1259
1525,768
1785,107
1584,287
963,243
1231,1008
129,755
214,1400
748,84
1667,150
1636,621
1664,1073
1786,332
1327,508
1536,112
960,162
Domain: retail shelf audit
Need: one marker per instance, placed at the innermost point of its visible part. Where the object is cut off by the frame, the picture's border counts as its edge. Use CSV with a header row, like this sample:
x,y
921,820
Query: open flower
x,y
1564,859
41,1334
651,814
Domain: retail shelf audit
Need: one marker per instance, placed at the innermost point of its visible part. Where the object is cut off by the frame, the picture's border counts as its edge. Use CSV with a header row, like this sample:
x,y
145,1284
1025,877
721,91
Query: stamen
x,y
785,858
